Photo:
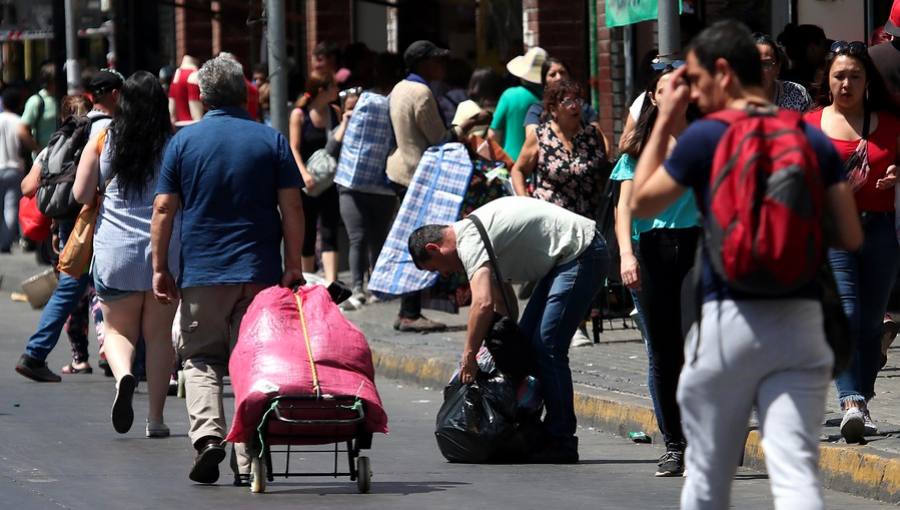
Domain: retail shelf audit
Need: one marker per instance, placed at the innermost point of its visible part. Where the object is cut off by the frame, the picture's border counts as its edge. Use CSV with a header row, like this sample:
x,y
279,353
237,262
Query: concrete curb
x,y
857,470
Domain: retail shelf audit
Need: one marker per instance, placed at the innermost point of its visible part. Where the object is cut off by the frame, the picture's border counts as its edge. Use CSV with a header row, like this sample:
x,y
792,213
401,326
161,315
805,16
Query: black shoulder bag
x,y
510,347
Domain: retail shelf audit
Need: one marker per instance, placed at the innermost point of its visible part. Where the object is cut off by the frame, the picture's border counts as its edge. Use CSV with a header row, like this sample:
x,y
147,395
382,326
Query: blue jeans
x,y
864,279
62,303
559,303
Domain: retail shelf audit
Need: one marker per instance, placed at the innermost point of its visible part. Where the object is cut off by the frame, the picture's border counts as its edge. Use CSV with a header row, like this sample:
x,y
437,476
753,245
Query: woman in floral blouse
x,y
568,158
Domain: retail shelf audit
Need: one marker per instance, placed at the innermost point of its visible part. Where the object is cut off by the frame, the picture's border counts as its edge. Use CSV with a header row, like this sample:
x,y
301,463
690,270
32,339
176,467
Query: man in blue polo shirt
x,y
231,176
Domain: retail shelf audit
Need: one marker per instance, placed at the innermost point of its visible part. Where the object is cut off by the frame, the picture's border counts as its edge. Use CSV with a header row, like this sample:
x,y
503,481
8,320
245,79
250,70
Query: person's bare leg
x,y
330,263
309,264
122,329
157,328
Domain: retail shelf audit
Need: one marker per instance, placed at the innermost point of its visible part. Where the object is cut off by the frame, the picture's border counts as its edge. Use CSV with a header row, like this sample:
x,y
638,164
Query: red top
x,y
882,154
182,92
252,100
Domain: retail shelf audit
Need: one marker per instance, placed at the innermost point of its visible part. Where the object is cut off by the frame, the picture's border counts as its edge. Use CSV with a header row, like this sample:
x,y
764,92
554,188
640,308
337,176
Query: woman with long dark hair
x,y
123,163
656,273
862,119
313,118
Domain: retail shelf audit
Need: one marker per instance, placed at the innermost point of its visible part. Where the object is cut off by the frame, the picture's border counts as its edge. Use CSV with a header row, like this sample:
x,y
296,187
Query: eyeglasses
x,y
354,91
849,48
768,65
570,102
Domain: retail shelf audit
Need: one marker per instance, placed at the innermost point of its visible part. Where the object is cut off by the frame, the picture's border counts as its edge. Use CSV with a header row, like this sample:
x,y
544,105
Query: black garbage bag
x,y
484,422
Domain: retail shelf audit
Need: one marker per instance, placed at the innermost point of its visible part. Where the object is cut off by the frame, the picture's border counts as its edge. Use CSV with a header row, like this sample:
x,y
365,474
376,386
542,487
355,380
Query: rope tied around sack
x,y
312,361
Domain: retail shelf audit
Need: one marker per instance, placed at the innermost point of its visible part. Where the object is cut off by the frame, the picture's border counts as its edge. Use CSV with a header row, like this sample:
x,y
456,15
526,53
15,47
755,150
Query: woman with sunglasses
x,y
312,119
567,157
859,115
784,94
666,247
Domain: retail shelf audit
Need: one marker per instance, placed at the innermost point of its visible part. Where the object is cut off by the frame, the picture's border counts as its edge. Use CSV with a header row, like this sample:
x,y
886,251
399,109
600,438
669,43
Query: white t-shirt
x,y
530,237
635,109
9,142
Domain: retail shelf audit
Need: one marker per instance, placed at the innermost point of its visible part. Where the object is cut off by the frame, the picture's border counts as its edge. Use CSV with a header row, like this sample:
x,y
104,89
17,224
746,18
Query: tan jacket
x,y
417,126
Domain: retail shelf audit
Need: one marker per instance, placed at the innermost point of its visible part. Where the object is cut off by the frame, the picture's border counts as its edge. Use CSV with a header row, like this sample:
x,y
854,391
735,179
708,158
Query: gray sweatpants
x,y
767,352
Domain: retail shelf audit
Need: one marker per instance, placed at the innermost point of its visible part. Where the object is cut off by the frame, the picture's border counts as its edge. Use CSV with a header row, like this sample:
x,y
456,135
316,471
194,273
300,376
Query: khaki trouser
x,y
210,322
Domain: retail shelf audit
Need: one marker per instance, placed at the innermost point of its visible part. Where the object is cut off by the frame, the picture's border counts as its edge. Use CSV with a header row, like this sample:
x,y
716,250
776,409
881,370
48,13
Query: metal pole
x,y
73,72
669,29
278,71
593,60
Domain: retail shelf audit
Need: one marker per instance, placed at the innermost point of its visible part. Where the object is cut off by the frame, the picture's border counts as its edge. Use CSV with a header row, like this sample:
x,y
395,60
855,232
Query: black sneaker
x,y
206,464
36,370
122,414
671,463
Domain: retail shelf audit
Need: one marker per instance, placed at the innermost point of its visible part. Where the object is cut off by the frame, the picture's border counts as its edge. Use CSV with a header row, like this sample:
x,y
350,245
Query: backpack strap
x,y
495,265
101,141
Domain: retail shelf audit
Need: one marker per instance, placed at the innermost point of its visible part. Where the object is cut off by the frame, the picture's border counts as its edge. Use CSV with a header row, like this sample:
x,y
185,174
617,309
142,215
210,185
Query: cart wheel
x,y
364,478
257,475
181,391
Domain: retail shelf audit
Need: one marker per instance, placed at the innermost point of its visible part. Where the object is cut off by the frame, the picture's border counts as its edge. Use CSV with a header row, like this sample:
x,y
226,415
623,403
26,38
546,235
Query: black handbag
x,y
507,343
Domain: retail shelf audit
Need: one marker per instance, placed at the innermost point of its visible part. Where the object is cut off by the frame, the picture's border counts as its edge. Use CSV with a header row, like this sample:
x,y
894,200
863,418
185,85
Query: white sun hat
x,y
528,66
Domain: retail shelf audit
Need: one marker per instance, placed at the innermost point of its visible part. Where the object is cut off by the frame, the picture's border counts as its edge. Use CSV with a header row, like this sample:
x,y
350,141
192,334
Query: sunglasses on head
x,y
354,91
666,61
848,48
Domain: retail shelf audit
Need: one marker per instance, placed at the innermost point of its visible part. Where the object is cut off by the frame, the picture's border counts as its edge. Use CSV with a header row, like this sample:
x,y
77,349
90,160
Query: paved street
x,y
59,451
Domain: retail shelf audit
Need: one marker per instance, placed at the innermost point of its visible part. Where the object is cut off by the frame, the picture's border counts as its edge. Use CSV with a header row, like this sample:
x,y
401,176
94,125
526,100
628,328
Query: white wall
x,y
841,19
371,25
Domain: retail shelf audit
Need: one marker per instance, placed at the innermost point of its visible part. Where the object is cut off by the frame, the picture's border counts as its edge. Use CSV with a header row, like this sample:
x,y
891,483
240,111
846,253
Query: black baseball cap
x,y
105,81
421,50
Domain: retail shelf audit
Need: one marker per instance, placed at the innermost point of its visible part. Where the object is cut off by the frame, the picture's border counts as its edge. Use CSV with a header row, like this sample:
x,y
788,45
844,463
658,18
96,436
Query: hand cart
x,y
308,420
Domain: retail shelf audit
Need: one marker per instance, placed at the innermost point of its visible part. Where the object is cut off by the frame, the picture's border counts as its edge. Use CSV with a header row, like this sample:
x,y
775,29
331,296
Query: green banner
x,y
626,12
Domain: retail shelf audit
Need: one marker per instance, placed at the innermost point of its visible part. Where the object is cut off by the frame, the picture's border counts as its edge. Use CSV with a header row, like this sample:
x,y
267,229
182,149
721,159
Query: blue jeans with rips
x,y
864,279
556,308
62,303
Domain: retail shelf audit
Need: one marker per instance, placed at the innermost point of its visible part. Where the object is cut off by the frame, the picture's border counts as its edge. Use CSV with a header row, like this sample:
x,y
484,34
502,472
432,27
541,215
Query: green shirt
x,y
681,214
42,129
509,117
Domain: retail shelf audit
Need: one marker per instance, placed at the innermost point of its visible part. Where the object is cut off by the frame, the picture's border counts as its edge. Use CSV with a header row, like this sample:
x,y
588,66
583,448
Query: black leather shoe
x,y
206,464
558,452
36,370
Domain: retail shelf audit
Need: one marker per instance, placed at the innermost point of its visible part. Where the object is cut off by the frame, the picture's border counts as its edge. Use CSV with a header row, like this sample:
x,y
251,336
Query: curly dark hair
x,y
879,97
560,90
139,132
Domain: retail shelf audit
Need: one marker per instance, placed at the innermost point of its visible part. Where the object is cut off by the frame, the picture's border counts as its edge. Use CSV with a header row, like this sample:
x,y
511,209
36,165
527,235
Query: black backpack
x,y
54,195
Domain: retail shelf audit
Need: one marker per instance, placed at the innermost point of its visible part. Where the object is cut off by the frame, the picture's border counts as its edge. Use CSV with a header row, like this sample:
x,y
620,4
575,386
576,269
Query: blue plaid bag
x,y
368,140
435,196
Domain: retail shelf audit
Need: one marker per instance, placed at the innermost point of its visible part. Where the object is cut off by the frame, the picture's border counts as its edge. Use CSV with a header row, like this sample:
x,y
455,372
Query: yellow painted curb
x,y
857,470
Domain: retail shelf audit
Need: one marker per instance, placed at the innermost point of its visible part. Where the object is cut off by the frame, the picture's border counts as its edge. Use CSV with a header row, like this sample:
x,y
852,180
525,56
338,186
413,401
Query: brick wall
x,y
558,26
328,20
192,30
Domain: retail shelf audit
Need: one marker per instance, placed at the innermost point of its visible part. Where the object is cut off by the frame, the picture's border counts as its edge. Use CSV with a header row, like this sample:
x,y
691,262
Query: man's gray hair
x,y
222,83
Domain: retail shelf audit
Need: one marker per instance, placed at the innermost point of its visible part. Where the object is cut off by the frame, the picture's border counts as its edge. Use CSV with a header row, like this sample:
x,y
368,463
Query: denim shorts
x,y
107,294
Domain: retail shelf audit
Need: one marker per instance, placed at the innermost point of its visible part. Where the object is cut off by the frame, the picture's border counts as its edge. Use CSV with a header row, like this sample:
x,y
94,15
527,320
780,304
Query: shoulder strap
x,y
866,114
40,114
495,266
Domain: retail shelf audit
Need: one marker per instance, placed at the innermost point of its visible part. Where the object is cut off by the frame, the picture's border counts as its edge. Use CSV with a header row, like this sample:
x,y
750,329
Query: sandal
x,y
70,369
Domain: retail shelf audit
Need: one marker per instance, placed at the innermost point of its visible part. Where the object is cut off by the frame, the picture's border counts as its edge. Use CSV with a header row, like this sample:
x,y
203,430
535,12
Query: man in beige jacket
x,y
419,124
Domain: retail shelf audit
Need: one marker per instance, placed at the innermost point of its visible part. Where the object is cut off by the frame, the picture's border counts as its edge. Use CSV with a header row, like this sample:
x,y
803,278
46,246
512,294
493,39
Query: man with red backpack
x,y
765,183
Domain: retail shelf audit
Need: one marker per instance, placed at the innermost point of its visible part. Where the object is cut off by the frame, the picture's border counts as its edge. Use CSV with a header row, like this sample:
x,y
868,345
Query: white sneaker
x,y
581,339
157,429
853,426
871,429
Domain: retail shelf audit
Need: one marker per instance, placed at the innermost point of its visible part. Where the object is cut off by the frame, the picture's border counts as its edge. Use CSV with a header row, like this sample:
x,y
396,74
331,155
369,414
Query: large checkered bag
x,y
435,196
368,140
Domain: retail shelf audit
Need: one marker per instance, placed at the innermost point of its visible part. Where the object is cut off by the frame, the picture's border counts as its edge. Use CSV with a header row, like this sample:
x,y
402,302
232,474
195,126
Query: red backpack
x,y
767,200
